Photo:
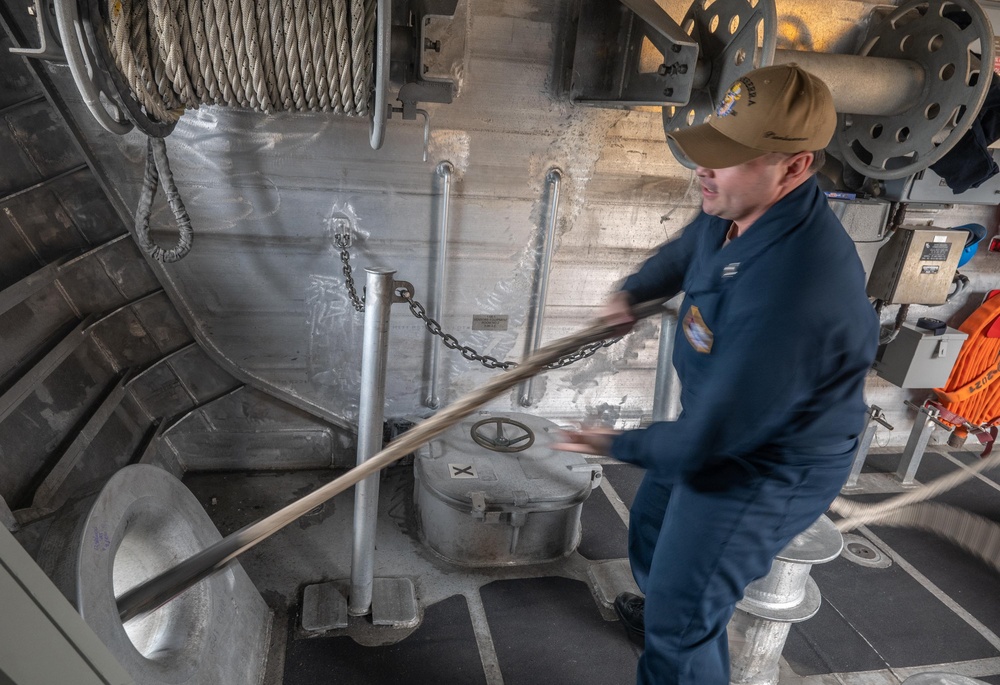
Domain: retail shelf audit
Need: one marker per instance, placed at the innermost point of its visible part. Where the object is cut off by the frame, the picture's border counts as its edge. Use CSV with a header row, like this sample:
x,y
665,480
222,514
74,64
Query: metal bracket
x,y
401,59
421,112
44,12
397,286
609,56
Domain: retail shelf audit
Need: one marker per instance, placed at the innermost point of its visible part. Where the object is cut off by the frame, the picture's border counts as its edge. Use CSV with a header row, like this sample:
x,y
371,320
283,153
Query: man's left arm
x,y
753,383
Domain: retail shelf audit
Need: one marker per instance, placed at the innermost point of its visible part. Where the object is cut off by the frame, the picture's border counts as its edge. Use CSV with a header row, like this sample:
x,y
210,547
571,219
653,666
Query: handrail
x,y
444,170
535,317
160,589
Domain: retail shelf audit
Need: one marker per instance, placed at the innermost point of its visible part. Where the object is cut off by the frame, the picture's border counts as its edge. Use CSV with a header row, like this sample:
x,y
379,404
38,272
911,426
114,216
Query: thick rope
x,y
264,55
975,534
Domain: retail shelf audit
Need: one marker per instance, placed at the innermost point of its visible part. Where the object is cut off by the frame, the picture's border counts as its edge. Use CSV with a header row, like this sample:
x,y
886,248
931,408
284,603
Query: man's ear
x,y
797,166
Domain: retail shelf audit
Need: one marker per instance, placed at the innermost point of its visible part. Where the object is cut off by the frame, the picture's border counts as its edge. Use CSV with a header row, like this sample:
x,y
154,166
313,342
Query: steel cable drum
x,y
165,56
921,64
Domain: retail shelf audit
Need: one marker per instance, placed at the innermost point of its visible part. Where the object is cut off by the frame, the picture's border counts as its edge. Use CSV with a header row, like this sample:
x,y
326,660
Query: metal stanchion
x,y
875,417
375,353
920,435
667,386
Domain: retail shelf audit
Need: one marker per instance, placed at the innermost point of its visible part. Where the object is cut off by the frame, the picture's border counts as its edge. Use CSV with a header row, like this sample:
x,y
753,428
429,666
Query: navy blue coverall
x,y
773,343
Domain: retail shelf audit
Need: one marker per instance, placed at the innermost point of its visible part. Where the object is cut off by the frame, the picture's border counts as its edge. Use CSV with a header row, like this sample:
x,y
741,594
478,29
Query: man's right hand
x,y
618,311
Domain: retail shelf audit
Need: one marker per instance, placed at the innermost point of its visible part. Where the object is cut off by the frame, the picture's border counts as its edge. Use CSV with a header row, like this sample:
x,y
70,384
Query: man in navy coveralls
x,y
774,340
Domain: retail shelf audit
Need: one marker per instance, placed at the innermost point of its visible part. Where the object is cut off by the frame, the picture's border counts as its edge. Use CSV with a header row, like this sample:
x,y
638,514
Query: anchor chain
x,y
450,341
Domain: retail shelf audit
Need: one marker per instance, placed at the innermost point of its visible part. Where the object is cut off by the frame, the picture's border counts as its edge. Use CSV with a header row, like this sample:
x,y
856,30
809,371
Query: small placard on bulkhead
x,y
489,322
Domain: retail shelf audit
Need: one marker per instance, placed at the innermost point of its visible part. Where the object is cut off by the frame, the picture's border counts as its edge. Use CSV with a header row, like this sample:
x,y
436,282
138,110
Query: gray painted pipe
x,y
534,337
374,356
445,171
666,389
890,86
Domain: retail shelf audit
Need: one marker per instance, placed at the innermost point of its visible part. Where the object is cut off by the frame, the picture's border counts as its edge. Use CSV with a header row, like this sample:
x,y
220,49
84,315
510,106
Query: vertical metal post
x,y
916,445
875,416
666,389
445,171
534,338
379,297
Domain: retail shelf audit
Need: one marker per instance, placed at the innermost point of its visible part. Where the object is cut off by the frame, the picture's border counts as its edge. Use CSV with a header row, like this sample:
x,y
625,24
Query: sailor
x,y
774,341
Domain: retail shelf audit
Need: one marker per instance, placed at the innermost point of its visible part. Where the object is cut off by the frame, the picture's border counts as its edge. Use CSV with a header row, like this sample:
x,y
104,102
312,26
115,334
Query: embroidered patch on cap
x,y
731,98
697,332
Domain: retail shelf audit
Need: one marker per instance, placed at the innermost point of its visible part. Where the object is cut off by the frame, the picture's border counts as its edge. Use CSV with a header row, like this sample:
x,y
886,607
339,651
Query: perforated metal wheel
x,y
734,37
507,435
953,41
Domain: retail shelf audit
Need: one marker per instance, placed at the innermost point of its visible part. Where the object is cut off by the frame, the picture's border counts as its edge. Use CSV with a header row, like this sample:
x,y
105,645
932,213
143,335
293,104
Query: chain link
x,y
343,241
449,340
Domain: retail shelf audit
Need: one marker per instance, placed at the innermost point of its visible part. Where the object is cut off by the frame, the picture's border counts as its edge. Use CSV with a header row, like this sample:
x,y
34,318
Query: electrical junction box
x,y
919,359
490,491
865,221
916,266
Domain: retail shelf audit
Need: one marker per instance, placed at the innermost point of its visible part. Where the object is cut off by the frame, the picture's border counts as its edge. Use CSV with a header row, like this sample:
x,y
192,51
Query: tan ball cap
x,y
773,109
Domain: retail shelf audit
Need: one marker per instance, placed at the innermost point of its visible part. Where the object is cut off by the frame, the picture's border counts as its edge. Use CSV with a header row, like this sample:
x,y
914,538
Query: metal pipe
x,y
445,171
151,594
666,388
374,356
891,86
534,338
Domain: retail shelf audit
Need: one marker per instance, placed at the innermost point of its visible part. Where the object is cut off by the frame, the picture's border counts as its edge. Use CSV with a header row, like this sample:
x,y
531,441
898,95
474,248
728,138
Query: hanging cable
x,y
887,338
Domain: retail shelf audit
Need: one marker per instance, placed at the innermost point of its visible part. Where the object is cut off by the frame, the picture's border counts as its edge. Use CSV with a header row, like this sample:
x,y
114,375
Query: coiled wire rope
x,y
264,55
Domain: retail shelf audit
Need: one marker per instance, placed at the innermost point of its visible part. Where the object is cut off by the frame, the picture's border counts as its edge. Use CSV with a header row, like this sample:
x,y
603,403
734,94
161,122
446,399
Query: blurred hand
x,y
618,311
595,441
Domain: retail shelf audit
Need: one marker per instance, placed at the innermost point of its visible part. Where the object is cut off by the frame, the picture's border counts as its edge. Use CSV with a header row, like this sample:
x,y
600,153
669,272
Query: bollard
x,y
771,604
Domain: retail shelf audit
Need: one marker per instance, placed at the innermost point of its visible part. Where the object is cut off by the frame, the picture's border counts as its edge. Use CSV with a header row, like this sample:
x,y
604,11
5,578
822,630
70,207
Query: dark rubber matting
x,y
827,643
625,479
442,650
902,621
964,578
876,618
604,533
549,630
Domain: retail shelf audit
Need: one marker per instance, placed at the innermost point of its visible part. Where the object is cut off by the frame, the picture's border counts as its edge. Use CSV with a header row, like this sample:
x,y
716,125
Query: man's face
x,y
742,193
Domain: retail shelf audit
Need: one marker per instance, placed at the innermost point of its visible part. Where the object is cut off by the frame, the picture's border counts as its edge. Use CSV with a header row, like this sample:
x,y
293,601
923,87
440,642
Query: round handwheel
x,y
734,37
953,41
506,435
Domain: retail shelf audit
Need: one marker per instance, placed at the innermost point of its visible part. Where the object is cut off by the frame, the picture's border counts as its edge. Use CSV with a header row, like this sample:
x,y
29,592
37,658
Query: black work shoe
x,y
631,610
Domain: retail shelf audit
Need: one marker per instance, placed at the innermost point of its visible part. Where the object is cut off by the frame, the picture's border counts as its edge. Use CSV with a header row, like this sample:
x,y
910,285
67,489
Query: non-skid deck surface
x,y
933,606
